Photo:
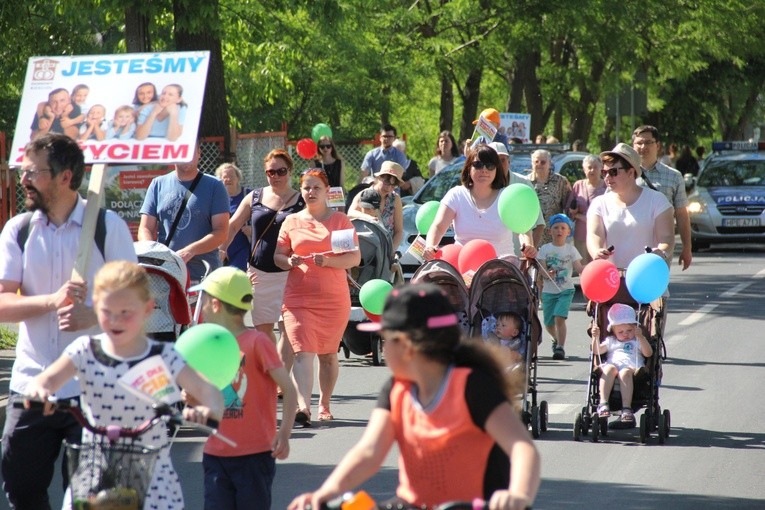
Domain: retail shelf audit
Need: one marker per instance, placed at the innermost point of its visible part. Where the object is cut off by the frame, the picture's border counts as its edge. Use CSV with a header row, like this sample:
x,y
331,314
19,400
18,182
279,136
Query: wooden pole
x,y
85,248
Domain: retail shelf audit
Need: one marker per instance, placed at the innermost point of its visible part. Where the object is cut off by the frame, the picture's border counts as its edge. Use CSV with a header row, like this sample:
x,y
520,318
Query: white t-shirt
x,y
624,354
629,229
560,265
471,223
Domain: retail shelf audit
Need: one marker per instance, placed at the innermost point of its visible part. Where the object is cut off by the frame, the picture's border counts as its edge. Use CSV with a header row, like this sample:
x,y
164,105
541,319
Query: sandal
x,y
558,353
627,416
325,414
604,411
303,418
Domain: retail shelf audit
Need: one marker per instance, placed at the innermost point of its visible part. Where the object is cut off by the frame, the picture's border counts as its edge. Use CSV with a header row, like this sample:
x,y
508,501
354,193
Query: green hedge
x,y
7,338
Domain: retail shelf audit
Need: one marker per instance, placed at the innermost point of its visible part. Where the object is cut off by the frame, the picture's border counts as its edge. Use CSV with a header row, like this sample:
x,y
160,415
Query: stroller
x,y
646,383
168,281
378,261
498,286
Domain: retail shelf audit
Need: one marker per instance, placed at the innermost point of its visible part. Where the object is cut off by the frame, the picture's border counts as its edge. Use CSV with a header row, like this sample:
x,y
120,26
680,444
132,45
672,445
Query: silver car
x,y
727,203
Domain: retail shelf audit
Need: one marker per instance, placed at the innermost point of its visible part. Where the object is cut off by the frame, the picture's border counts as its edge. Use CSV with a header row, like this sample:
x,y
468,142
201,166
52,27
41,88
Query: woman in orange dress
x,y
317,304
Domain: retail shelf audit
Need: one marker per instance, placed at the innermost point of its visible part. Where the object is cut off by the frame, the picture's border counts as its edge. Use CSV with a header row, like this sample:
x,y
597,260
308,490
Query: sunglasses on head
x,y
611,171
325,146
281,172
480,165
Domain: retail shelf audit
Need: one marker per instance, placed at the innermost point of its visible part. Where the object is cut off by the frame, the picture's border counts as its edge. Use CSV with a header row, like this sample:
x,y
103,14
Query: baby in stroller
x,y
504,329
626,347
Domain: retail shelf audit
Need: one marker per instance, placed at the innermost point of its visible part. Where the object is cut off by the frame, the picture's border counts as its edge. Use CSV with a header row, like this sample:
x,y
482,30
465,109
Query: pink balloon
x,y
306,148
600,280
474,254
450,253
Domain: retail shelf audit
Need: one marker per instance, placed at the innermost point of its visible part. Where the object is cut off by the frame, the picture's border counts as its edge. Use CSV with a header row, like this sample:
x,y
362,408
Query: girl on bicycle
x,y
122,302
448,407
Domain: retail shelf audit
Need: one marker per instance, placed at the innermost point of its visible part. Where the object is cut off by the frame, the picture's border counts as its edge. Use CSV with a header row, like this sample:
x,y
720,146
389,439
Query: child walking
x,y
626,346
122,302
559,259
444,394
241,477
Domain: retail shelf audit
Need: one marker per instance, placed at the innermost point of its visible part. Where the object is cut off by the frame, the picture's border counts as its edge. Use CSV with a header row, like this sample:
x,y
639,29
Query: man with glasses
x,y
657,175
187,211
385,152
37,254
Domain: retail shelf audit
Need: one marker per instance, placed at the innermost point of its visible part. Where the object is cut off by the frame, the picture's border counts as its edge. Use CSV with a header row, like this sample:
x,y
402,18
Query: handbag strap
x,y
186,198
273,219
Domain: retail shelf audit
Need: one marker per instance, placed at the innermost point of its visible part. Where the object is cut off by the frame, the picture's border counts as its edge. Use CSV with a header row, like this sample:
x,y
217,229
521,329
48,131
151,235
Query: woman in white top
x,y
628,216
472,208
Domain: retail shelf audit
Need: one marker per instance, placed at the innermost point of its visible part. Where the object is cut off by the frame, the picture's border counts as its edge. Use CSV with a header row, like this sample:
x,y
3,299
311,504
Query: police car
x,y
728,198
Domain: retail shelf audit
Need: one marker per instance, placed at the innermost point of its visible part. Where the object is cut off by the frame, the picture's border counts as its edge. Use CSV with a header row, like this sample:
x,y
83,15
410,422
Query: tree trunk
x,y
203,36
446,120
581,112
137,38
515,99
470,94
527,66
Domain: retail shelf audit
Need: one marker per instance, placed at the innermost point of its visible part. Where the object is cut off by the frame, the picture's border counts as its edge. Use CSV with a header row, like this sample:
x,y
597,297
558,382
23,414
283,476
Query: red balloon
x,y
600,280
474,254
372,316
450,253
306,148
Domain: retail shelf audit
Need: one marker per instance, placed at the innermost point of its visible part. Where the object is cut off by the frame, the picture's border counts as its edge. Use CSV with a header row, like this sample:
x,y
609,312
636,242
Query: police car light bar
x,y
738,146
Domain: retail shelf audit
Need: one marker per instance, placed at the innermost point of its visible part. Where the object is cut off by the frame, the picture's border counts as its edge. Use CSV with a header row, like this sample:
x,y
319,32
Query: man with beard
x,y
35,290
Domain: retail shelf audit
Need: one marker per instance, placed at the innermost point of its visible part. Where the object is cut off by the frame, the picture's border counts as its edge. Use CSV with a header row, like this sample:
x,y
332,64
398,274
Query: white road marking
x,y
735,290
760,274
697,315
563,409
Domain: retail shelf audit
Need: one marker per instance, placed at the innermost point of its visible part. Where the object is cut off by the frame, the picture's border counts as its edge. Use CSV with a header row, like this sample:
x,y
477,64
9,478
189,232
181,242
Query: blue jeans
x,y
31,444
238,482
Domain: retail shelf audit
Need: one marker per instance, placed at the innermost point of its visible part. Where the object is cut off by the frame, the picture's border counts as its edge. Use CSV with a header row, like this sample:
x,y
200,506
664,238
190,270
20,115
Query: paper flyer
x,y
468,277
152,377
342,241
336,197
485,128
417,248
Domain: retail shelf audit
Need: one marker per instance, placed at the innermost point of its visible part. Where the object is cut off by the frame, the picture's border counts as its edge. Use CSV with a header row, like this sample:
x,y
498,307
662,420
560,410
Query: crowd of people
x,y
273,253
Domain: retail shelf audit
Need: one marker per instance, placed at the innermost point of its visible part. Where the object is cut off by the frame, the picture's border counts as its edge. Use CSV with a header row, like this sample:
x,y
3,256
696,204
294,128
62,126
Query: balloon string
x,y
545,273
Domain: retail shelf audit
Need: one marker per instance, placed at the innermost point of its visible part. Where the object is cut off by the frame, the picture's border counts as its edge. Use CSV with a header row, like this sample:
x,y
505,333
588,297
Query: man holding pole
x,y
37,289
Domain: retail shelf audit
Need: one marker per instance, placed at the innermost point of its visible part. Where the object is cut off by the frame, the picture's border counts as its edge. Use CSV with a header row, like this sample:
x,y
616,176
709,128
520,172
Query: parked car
x,y
727,201
568,164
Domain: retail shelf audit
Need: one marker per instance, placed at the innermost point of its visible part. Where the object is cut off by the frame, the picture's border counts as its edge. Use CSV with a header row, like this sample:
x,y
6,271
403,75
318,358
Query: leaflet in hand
x,y
336,197
417,248
152,378
342,241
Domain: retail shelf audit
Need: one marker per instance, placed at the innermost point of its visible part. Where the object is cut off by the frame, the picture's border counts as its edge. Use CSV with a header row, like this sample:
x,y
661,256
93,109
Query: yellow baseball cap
x,y
229,284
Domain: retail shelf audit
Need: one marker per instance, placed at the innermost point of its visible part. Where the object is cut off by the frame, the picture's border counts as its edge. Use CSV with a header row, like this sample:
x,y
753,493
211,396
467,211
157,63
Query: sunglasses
x,y
480,165
325,146
391,181
281,172
611,171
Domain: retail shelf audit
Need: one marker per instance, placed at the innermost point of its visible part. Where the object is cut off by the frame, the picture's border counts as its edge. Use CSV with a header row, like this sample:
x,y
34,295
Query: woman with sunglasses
x,y
552,189
628,217
391,210
472,208
330,162
583,193
317,304
265,210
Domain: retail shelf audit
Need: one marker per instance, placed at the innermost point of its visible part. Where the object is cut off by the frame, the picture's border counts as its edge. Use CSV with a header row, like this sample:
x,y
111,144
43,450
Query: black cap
x,y
419,306
370,199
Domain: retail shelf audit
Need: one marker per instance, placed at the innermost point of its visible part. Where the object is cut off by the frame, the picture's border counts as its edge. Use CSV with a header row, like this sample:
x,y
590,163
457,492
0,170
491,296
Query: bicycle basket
x,y
109,475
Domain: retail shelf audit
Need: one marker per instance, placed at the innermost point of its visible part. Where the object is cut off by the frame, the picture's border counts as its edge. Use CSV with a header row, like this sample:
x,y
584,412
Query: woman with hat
x,y
391,215
444,394
472,208
628,217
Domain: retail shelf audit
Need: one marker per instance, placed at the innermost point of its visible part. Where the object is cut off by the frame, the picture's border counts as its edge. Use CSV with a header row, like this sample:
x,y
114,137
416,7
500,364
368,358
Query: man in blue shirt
x,y
385,152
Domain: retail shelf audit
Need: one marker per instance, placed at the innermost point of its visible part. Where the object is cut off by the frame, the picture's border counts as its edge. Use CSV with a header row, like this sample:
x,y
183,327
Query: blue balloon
x,y
647,277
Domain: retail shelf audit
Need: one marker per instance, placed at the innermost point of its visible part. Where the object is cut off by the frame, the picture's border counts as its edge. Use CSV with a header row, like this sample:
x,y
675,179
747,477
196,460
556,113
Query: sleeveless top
x,y
332,170
266,227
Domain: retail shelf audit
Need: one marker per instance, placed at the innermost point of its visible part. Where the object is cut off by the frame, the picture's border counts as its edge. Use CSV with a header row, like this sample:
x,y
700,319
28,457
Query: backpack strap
x,y
22,235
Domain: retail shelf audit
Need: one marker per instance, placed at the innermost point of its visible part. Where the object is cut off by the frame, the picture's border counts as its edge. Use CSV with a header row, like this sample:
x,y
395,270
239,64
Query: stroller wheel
x,y
603,423
377,354
585,421
644,432
535,419
595,427
578,425
346,350
666,422
543,414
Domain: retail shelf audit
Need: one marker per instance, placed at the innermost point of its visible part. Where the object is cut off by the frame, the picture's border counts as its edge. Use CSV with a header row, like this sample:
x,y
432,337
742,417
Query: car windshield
x,y
443,181
733,173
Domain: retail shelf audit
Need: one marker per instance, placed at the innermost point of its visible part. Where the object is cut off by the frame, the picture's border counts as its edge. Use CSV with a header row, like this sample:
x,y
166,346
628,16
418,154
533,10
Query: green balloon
x,y
425,216
372,295
518,207
211,350
320,130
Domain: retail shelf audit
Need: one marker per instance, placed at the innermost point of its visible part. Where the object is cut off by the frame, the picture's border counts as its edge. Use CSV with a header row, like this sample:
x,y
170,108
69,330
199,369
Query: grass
x,y
7,338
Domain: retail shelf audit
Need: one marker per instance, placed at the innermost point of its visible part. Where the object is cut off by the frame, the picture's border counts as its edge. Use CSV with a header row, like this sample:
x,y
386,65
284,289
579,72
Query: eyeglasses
x,y
643,143
325,146
390,180
387,136
480,165
281,172
611,171
32,174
